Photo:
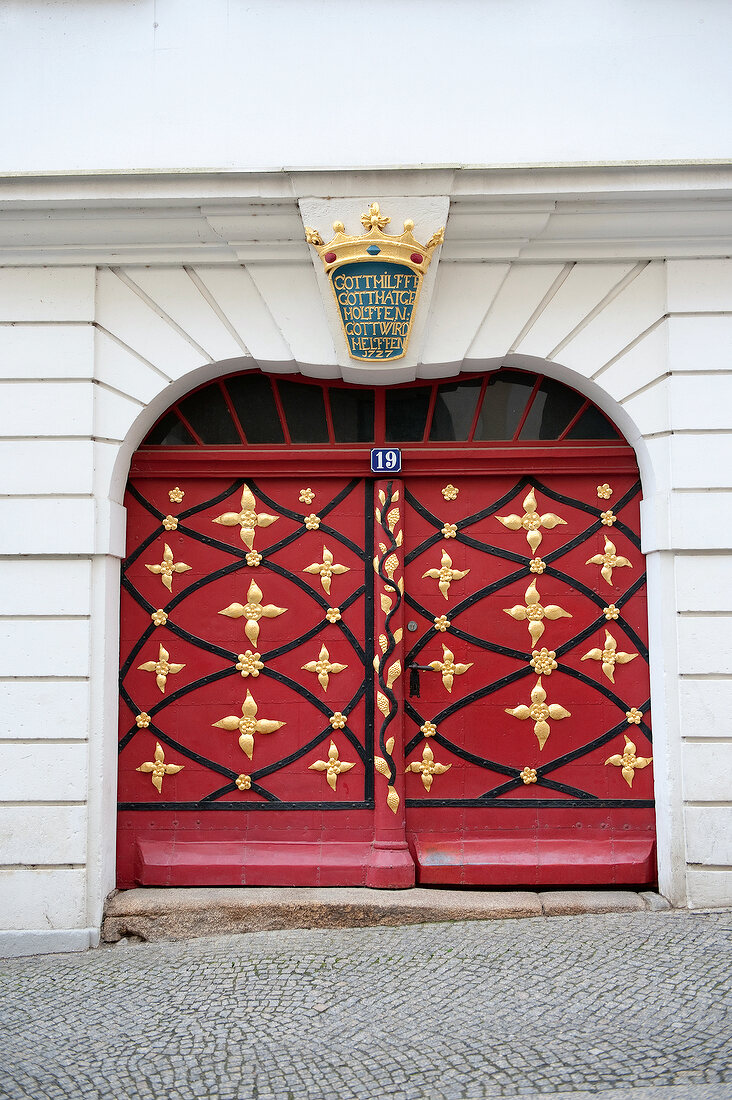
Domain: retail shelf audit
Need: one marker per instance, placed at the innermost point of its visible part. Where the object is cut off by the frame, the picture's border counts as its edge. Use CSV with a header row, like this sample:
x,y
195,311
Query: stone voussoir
x,y
156,913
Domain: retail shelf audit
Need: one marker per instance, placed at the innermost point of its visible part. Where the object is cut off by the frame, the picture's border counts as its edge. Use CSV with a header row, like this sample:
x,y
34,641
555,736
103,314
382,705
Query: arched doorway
x,y
338,678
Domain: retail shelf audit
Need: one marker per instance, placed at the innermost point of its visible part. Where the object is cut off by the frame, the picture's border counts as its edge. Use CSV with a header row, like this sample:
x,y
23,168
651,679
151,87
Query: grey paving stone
x,y
620,1006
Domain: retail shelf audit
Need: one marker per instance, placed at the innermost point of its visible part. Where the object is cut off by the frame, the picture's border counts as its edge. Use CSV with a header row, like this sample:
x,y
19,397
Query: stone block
x,y
42,834
566,903
48,526
698,285
43,587
704,707
26,771
47,293
709,835
704,645
46,709
46,467
46,351
706,770
45,647
42,898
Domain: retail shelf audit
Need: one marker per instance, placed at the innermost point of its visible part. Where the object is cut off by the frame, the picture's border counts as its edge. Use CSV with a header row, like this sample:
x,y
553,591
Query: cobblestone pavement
x,y
575,1006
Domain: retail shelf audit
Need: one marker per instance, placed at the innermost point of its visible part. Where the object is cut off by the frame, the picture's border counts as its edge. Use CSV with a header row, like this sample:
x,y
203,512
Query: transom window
x,y
256,409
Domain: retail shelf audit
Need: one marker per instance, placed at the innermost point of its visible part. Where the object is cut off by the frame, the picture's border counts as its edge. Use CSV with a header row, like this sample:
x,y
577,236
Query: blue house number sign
x,y
386,460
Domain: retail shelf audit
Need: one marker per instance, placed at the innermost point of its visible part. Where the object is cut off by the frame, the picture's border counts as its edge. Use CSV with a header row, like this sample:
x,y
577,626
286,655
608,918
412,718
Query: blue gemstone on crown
x,y
373,250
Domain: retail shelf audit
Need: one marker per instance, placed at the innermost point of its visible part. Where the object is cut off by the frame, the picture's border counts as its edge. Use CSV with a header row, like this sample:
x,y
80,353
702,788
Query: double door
x,y
340,681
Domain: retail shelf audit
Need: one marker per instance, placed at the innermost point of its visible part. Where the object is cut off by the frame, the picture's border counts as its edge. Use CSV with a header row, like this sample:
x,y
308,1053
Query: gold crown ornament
x,y
376,278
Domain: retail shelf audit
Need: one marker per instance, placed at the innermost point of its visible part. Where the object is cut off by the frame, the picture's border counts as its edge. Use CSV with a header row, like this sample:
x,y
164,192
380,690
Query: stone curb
x,y
156,913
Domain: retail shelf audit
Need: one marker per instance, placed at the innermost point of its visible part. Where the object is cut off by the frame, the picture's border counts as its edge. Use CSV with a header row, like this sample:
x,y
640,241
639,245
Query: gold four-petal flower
x,y
629,762
539,711
162,668
333,767
323,667
445,575
448,668
159,768
326,568
534,612
248,725
427,767
168,567
531,521
248,518
253,610
609,560
609,656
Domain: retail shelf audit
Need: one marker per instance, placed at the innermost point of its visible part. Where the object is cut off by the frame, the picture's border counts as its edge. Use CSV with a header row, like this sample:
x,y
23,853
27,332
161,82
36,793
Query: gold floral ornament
x,y
429,729
176,495
143,720
531,521
243,782
450,492
253,610
449,531
536,565
634,716
323,667
253,559
609,656
312,522
608,518
540,711
159,617
248,518
427,767
307,496
604,492
327,568
448,668
162,668
337,720
445,575
543,661
609,560
248,725
168,567
333,767
629,762
333,614
535,613
442,623
249,664
159,768
170,523
528,775
611,612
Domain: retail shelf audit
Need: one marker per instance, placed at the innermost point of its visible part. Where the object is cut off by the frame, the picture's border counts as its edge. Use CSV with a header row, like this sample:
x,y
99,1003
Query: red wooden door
x,y
328,680
528,671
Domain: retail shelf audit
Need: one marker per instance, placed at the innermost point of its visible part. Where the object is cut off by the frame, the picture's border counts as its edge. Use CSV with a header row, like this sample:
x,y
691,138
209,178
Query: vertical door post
x,y
391,864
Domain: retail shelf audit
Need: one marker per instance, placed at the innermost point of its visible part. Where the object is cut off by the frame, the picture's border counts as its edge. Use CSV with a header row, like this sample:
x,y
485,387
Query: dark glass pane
x,y
353,415
208,415
593,425
254,403
455,409
406,414
170,432
505,400
304,412
551,411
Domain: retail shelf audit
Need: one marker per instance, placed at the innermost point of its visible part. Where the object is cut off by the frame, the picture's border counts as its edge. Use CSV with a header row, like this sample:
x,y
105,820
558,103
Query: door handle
x,y
414,671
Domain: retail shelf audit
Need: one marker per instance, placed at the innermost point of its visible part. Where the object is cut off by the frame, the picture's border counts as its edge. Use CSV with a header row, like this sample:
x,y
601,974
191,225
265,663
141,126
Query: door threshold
x,y
177,913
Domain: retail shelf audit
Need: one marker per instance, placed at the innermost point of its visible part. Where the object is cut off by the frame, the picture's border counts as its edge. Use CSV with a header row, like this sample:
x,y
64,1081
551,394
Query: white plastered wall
x,y
90,357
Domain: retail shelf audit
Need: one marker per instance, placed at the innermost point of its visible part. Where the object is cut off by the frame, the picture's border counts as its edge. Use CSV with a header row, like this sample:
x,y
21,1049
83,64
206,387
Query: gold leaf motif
x,y
535,613
159,768
398,634
539,712
445,575
323,667
382,703
629,762
381,766
376,662
427,767
383,643
248,725
395,495
386,602
609,560
333,767
168,567
392,519
382,497
531,521
399,538
377,513
392,800
394,673
448,668
327,569
248,519
389,746
253,610
162,668
609,656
